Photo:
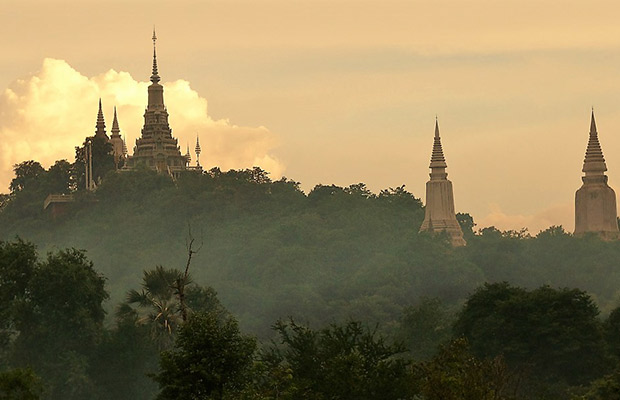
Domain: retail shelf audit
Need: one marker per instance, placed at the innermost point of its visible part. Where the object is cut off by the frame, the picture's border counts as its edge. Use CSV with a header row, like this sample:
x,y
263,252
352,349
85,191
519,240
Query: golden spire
x,y
100,127
115,129
438,161
155,76
594,162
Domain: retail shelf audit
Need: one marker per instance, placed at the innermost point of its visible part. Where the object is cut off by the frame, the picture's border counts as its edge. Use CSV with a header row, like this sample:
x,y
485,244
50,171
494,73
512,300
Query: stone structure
x,y
100,126
595,201
440,216
118,144
156,148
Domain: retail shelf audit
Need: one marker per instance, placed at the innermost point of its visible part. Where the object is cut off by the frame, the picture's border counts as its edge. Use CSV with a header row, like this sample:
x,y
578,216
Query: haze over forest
x,y
347,95
293,265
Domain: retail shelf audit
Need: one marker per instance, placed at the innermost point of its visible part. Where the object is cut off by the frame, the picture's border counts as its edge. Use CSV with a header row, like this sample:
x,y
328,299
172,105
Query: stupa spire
x,y
438,161
439,213
115,129
100,126
124,146
594,162
595,201
155,75
197,149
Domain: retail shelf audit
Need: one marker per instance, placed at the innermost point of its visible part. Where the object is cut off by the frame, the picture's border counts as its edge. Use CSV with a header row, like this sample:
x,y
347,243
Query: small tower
x,y
117,142
440,216
595,201
100,126
124,147
188,157
197,149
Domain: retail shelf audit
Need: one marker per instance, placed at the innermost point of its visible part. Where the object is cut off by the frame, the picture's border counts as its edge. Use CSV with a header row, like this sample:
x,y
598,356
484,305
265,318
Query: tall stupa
x,y
156,148
595,201
440,215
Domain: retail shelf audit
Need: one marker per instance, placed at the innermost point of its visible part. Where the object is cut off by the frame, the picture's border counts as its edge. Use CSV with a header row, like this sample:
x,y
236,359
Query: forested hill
x,y
271,251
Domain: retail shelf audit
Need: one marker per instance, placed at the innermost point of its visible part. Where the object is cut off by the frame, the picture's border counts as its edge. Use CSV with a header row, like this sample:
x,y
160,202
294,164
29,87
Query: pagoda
x,y
440,216
118,144
595,201
157,149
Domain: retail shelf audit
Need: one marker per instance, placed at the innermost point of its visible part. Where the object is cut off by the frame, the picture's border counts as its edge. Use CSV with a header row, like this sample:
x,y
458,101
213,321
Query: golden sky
x,y
333,91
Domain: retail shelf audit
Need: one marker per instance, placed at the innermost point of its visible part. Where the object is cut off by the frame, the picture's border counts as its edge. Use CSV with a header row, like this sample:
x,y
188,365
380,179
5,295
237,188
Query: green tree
x,y
211,359
60,320
467,224
424,327
26,173
20,384
605,388
17,266
156,305
553,334
123,361
339,362
102,160
455,374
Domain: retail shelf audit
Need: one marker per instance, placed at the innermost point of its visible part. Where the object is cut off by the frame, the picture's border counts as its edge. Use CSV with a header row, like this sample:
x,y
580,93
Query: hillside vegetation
x,y
270,250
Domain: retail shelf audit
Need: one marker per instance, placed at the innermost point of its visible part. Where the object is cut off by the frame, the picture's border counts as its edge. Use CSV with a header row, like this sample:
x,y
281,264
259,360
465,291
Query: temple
x,y
595,201
440,216
119,150
157,149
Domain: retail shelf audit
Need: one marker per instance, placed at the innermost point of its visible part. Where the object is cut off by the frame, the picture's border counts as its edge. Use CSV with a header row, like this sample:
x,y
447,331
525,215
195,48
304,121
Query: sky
x,y
332,92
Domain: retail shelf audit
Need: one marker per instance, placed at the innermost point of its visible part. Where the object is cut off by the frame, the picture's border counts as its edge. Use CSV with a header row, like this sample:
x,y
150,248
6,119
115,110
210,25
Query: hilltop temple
x,y
595,201
440,216
156,149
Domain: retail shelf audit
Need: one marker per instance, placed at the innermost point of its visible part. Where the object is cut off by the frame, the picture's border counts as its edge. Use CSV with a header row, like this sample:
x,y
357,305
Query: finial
x,y
197,149
155,75
438,161
594,162
100,126
115,129
124,146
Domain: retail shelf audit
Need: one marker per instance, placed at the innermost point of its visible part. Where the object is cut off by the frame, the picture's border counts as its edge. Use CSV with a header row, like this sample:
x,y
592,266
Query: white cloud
x,y
559,214
44,116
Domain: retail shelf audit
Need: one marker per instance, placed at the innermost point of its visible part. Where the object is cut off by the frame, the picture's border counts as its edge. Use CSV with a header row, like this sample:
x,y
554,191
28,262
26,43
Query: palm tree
x,y
157,304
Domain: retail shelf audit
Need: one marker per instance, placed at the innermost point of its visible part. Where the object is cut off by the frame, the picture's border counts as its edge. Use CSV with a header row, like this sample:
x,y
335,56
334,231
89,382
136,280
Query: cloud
x,y
559,214
44,116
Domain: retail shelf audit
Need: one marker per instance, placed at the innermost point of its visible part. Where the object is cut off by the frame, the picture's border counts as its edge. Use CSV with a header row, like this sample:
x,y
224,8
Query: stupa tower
x,y
595,201
117,141
100,126
157,148
440,216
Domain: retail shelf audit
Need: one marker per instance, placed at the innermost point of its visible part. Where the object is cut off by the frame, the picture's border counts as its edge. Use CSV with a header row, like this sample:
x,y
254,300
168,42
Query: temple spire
x,y
595,201
155,76
100,126
438,161
594,162
197,149
124,146
439,213
115,129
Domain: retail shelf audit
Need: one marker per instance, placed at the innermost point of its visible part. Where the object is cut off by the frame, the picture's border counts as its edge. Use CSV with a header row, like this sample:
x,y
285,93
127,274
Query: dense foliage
x,y
271,252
